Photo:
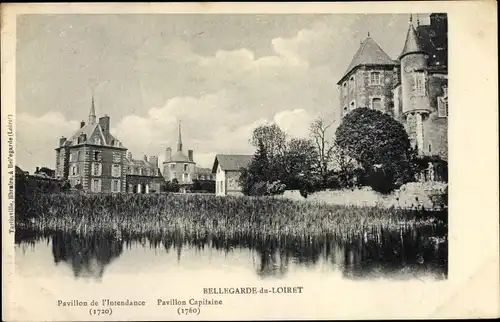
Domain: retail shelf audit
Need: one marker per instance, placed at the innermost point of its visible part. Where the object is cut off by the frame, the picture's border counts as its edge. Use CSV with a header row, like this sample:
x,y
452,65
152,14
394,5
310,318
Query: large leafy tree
x,y
379,144
258,171
301,163
271,139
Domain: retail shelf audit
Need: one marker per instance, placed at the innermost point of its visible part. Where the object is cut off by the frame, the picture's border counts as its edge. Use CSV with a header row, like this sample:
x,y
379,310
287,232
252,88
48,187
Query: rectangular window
x,y
115,186
185,167
72,156
442,106
419,84
117,157
375,78
96,156
116,171
96,169
96,185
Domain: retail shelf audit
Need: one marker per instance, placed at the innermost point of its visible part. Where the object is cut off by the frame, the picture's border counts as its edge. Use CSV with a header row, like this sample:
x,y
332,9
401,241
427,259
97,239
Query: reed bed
x,y
199,215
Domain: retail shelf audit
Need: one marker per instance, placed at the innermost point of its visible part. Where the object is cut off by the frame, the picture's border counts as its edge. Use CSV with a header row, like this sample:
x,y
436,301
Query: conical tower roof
x,y
412,43
368,54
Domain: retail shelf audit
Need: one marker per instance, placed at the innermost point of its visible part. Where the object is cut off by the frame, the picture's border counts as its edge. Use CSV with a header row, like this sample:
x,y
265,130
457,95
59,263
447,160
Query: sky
x,y
220,75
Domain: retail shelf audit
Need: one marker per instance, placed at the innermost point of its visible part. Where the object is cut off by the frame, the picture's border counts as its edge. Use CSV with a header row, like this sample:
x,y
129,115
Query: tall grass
x,y
198,215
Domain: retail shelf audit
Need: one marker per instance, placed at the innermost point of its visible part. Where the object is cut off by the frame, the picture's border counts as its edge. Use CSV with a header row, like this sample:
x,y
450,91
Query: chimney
x,y
62,140
168,154
104,123
129,155
145,158
82,124
153,160
190,155
37,169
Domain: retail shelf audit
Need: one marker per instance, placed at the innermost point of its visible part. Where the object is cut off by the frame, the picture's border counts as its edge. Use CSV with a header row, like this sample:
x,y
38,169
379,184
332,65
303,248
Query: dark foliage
x,y
380,145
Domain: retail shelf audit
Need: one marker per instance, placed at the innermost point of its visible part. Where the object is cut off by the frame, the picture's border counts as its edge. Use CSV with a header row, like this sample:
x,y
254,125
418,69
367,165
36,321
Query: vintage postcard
x,y
223,161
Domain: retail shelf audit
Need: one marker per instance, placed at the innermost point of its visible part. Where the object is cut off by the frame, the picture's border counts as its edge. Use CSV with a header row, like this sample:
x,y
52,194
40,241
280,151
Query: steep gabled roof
x,y
368,54
231,162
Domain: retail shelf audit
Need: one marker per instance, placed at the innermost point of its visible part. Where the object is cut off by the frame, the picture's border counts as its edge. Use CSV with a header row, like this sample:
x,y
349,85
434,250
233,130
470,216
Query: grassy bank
x,y
202,214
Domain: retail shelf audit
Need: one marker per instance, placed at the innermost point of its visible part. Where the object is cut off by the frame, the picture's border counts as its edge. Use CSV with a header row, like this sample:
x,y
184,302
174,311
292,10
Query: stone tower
x,y
366,78
414,94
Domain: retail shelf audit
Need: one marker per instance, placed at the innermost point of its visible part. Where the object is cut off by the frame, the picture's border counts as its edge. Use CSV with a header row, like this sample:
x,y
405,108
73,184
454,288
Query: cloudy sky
x,y
221,75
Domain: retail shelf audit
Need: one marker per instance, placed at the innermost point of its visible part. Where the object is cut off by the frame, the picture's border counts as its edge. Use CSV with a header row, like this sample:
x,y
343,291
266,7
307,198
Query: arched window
x,y
377,103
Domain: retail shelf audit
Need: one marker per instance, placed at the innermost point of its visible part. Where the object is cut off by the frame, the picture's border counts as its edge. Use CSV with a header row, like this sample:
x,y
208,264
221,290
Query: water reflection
x,y
378,253
86,254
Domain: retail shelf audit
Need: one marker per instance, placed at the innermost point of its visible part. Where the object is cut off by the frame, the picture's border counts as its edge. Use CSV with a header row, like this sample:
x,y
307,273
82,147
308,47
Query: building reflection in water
x,y
377,253
88,255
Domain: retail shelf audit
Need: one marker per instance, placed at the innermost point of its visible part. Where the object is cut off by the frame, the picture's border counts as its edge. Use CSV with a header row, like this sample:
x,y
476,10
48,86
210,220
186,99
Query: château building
x,y
413,88
92,159
143,175
177,165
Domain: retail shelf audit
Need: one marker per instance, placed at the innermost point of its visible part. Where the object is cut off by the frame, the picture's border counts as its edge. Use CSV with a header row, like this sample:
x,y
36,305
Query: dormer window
x,y
375,78
97,141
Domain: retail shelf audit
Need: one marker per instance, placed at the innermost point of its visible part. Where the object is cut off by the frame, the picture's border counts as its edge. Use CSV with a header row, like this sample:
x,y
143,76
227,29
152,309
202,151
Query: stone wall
x,y
429,195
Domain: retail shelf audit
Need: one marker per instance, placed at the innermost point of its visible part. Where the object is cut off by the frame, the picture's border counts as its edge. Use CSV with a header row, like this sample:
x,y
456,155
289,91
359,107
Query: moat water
x,y
69,266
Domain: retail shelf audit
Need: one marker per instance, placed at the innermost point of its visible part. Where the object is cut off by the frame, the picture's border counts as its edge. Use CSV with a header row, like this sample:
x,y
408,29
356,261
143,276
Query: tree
x,y
274,142
258,170
324,146
346,169
379,144
300,163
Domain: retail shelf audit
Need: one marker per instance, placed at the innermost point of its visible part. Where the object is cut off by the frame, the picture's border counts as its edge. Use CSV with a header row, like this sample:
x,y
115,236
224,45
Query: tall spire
x,y
92,117
179,141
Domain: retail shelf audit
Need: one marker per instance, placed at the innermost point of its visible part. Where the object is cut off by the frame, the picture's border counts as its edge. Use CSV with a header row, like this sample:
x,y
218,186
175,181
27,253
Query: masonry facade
x,y
143,175
92,159
177,165
416,84
227,169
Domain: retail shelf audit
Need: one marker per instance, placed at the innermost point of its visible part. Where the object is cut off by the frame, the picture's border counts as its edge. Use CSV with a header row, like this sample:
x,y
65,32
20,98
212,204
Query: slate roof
x,y
435,43
231,162
368,54
142,163
203,170
88,130
179,157
412,43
